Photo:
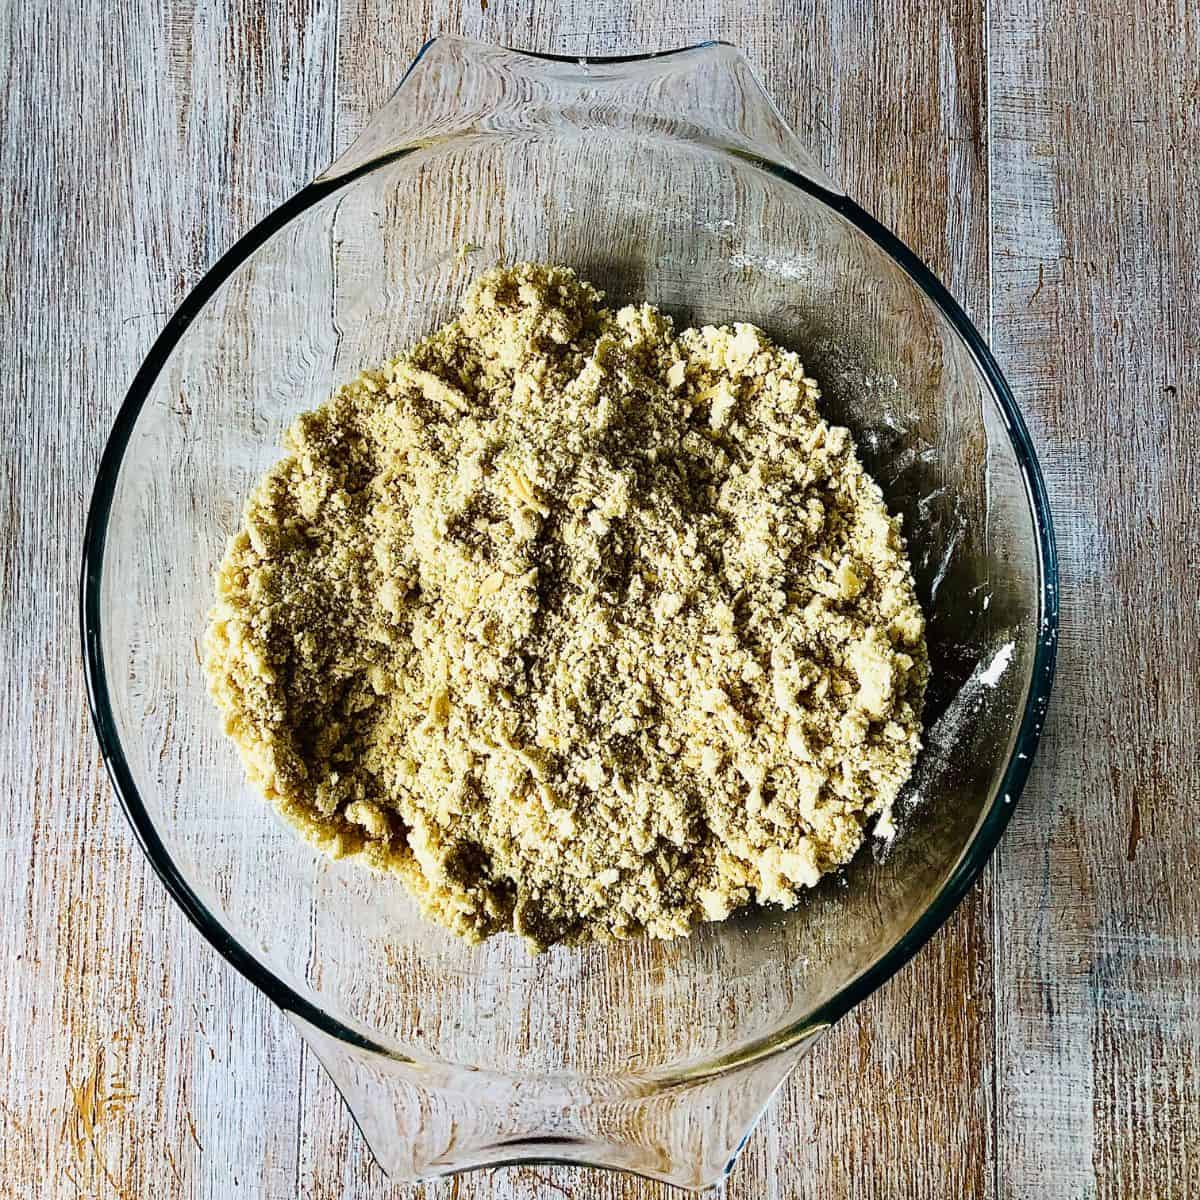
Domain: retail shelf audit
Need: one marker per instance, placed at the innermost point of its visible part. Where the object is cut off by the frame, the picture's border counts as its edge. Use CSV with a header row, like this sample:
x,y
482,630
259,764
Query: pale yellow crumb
x,y
586,627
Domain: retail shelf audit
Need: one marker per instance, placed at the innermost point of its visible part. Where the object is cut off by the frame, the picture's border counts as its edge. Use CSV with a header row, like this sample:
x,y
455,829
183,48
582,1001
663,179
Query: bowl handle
x,y
707,94
425,1120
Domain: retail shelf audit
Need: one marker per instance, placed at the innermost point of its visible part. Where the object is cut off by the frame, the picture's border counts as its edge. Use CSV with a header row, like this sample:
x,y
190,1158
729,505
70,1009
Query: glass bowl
x,y
669,177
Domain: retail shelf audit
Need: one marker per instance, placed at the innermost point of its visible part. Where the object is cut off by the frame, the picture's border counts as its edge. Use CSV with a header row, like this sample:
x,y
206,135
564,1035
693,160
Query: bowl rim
x,y
989,828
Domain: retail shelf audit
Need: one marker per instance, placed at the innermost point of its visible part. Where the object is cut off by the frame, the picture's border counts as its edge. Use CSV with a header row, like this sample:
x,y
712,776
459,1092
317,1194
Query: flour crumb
x,y
584,626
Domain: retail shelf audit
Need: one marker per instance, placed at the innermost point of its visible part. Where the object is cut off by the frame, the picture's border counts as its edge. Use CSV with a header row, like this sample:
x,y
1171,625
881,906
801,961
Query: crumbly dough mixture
x,y
584,626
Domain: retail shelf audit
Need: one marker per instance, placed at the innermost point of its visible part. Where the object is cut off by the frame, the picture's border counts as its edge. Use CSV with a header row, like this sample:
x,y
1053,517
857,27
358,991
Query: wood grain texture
x,y
1043,159
138,141
1095,141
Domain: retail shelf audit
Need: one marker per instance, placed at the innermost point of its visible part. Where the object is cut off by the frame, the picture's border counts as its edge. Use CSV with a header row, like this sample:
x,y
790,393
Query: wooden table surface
x,y
1042,156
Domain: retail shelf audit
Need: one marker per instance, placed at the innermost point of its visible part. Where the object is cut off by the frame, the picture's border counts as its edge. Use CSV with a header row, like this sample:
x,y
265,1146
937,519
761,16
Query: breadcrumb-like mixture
x,y
584,626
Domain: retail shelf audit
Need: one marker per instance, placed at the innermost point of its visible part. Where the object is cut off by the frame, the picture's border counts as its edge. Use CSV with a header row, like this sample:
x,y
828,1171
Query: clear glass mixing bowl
x,y
670,177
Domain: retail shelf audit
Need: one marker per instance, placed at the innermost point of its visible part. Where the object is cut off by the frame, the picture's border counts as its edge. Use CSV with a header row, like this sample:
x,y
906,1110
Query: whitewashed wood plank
x,y
1095,241
138,140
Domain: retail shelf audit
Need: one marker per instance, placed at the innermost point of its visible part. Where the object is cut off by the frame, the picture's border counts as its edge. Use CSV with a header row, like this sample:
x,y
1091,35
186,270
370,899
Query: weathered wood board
x,y
1042,157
